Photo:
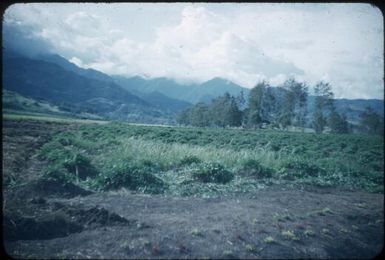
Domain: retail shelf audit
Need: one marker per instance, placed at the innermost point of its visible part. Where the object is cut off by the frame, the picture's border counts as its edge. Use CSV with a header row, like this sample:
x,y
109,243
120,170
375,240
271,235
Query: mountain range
x,y
51,79
192,93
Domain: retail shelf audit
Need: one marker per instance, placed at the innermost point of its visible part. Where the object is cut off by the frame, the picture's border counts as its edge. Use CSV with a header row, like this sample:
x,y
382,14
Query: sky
x,y
246,43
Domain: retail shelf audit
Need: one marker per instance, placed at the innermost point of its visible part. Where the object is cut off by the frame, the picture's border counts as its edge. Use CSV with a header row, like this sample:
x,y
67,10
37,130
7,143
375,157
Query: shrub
x,y
58,173
254,168
133,177
188,160
295,169
149,165
212,172
81,165
69,159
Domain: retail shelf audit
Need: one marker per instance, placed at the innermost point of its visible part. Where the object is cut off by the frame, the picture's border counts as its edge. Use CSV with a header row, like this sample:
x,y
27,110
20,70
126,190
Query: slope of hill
x,y
65,64
153,96
72,92
164,102
352,108
13,101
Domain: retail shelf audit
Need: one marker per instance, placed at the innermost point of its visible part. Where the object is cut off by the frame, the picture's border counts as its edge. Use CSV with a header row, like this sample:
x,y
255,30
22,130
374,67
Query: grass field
x,y
97,189
196,161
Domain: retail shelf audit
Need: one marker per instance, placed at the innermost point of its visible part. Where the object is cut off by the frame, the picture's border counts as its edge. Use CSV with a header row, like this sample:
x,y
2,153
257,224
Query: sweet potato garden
x,y
117,190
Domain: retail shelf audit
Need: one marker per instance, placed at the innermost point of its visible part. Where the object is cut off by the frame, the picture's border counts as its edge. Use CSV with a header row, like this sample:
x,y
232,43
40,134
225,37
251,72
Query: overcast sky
x,y
245,43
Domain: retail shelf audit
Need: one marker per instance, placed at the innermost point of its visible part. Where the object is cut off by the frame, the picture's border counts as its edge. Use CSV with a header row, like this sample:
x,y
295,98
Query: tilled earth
x,y
46,220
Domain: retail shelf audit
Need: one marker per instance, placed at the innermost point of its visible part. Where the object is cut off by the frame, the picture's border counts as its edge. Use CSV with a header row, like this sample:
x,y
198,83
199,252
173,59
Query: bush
x,y
80,164
69,159
188,160
255,169
295,169
212,172
58,173
133,177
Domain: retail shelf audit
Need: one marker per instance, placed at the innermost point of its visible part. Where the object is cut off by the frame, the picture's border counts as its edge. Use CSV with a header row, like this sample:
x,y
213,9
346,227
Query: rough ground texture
x,y
275,222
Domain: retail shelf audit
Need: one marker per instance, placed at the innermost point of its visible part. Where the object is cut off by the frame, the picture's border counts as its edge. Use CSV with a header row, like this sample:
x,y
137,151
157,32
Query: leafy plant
x,y
295,169
58,173
132,177
254,168
189,159
212,172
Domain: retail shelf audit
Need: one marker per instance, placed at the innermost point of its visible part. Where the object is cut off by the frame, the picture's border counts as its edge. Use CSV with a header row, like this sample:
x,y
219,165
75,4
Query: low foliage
x,y
212,172
198,162
134,177
190,159
254,168
297,168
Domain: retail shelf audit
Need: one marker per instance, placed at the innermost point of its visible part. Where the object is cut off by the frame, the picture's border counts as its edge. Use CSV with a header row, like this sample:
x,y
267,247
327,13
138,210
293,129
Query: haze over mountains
x,y
53,79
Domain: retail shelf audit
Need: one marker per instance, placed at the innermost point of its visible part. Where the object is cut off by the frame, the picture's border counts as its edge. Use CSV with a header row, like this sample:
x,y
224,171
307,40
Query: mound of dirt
x,y
51,220
95,217
53,188
50,226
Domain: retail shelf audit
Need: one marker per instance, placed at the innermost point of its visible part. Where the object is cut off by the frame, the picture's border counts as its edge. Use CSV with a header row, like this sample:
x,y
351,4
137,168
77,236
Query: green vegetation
x,y
50,118
269,240
210,162
250,248
212,172
282,107
289,234
371,122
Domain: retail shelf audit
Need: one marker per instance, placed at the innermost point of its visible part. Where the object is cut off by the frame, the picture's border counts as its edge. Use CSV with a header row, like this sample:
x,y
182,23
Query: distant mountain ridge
x,y
192,93
52,78
154,97
70,91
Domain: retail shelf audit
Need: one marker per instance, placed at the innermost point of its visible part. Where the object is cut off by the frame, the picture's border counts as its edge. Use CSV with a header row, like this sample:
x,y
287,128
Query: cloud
x,y
24,38
245,43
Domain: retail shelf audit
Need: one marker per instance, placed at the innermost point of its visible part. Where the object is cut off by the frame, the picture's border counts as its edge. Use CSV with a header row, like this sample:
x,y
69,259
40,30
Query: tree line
x,y
279,107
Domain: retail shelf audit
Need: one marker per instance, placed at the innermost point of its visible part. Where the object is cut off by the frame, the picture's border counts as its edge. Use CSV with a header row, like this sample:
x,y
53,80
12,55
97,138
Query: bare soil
x,y
41,220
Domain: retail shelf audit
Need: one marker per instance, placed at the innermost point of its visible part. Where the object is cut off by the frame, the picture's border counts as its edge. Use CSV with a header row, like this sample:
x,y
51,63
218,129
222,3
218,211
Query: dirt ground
x,y
46,220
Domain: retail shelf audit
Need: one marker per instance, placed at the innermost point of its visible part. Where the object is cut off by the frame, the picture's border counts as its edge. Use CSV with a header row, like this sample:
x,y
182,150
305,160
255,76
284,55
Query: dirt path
x,y
272,223
275,222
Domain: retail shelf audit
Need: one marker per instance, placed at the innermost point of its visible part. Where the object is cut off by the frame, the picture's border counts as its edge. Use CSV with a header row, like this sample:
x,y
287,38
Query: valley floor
x,y
45,220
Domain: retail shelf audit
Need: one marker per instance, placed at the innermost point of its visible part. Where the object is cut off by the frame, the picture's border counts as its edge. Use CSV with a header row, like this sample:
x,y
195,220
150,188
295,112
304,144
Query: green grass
x,y
209,162
47,117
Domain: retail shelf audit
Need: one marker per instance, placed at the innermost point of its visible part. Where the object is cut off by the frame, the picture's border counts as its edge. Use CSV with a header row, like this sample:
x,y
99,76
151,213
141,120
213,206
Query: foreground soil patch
x,y
43,220
272,223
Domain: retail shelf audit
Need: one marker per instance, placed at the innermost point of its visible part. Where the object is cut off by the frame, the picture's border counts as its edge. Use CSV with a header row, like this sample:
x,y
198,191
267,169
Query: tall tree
x,y
338,123
217,110
225,111
200,115
293,108
300,91
240,100
371,122
255,104
323,101
262,105
234,116
184,117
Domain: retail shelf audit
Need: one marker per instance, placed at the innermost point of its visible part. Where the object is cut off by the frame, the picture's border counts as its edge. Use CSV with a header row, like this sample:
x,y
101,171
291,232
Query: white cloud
x,y
245,43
